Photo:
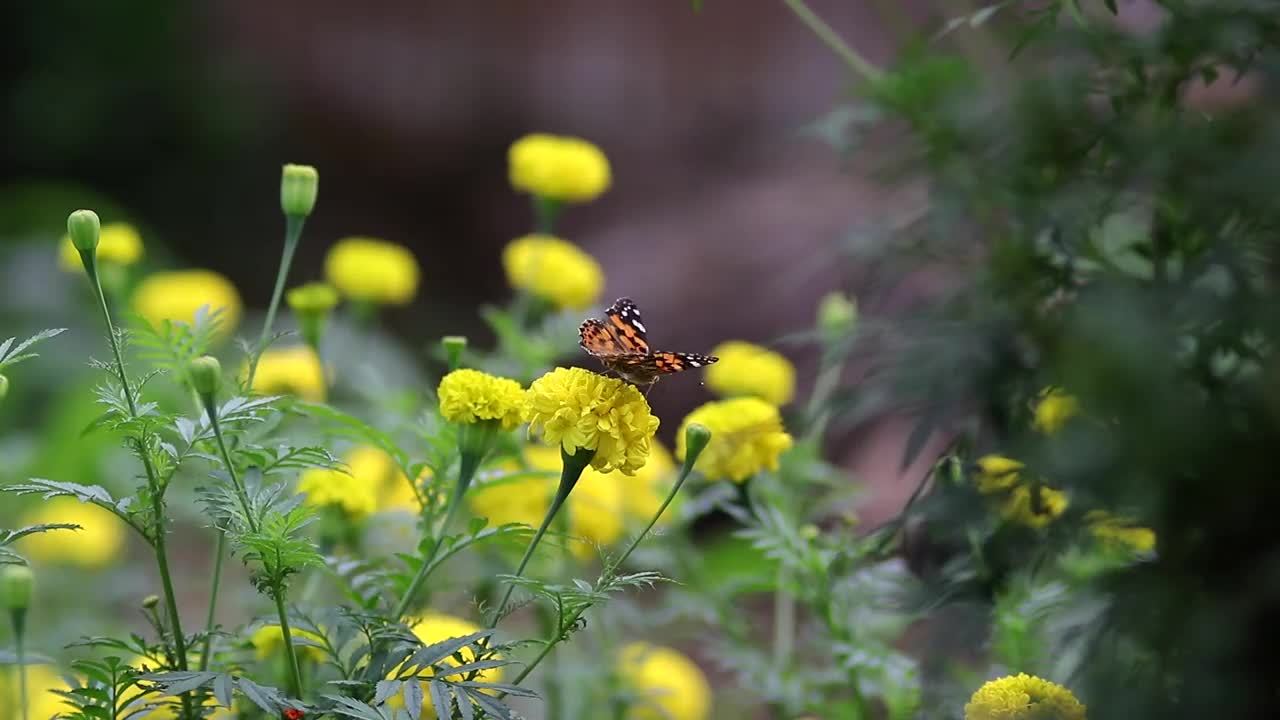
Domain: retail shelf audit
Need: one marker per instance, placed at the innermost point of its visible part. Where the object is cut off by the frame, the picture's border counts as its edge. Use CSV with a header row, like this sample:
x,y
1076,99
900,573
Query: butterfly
x,y
620,344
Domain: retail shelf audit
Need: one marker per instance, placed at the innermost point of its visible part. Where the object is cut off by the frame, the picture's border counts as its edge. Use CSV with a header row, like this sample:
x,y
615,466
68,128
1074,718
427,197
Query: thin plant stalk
x,y
218,553
292,233
19,616
295,670
832,40
467,467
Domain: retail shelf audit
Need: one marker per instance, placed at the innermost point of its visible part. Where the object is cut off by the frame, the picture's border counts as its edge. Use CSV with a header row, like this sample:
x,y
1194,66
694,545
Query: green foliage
x,y
11,354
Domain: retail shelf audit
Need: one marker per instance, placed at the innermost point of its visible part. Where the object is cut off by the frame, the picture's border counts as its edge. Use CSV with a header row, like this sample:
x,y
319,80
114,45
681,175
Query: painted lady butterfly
x,y
619,343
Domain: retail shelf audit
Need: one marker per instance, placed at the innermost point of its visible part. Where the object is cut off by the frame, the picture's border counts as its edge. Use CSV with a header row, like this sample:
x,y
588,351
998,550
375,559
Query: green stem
x,y
831,39
817,413
295,672
547,211
784,623
19,617
218,553
466,471
241,493
292,233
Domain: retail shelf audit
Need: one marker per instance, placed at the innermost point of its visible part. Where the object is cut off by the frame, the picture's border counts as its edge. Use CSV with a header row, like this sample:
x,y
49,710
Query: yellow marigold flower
x,y
561,168
291,371
670,686
470,396
746,437
1120,532
1053,410
751,370
355,496
553,269
177,295
372,270
1023,697
99,544
118,244
268,642
375,468
42,702
578,409
438,627
997,473
1020,506
643,494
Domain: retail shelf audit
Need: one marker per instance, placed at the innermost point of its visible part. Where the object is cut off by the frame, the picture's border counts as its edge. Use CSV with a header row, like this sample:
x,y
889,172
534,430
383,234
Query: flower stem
x,y
241,493
218,552
295,671
832,39
292,233
19,616
466,471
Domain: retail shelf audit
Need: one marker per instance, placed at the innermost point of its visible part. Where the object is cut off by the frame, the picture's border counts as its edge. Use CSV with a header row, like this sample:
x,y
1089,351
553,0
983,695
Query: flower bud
x,y
311,305
150,602
83,227
16,584
4,386
453,347
206,375
298,187
837,314
696,437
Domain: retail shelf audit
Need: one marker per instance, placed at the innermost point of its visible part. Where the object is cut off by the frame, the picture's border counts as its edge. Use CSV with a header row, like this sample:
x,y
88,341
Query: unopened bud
x,y
206,375
311,305
84,227
16,585
837,314
4,386
150,602
696,438
453,347
298,187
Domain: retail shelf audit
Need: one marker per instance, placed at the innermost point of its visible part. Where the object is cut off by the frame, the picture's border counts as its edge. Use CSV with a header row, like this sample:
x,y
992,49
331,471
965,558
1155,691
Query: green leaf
x,y
10,355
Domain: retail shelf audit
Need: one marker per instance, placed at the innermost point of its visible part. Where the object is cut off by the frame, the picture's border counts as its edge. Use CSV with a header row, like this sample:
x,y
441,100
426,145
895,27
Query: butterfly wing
x,y
646,369
599,339
624,320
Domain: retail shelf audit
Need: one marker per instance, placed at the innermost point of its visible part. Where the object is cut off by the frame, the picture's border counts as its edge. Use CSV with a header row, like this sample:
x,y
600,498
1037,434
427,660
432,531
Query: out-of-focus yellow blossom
x,y
553,269
354,495
178,294
372,270
470,396
751,370
438,627
746,437
268,642
376,469
292,370
1020,506
1053,410
668,685
1120,532
118,244
577,409
42,702
1023,697
643,494
100,543
997,473
562,168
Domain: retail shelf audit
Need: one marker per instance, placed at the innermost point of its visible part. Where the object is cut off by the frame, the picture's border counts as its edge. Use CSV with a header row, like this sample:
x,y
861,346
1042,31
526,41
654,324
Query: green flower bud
x,y
83,226
16,584
150,602
311,305
206,375
4,386
696,438
453,347
837,314
298,187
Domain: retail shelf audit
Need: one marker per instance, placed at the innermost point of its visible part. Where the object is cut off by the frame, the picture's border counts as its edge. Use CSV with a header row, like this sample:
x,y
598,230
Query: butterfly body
x,y
620,342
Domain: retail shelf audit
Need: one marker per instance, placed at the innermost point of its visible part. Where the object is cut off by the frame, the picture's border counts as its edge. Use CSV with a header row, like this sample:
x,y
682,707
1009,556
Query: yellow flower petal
x,y
177,295
578,409
291,371
670,686
562,168
372,270
746,437
751,370
554,270
1023,697
470,396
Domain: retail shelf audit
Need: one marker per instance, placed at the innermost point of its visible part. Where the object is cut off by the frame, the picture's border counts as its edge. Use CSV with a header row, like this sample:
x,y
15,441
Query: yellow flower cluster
x,y
268,642
42,702
1053,410
372,270
376,469
354,496
470,396
753,371
291,371
1021,503
118,244
578,409
561,168
746,437
1120,532
437,627
178,294
670,686
997,473
553,269
1023,697
98,544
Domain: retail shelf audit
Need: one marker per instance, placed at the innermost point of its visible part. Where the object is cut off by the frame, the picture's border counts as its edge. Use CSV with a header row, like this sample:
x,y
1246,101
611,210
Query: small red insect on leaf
x,y
292,714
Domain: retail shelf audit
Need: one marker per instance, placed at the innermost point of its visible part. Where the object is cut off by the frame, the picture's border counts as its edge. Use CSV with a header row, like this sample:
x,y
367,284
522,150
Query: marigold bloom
x,y
42,701
268,642
118,244
372,270
997,473
562,168
177,295
375,468
355,496
99,544
292,370
670,685
1020,506
553,269
746,437
1053,410
751,370
470,396
1120,532
437,627
578,409
1023,697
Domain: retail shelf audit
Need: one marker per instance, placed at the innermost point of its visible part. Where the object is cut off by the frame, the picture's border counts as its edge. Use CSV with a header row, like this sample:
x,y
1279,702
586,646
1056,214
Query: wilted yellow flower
x,y
100,543
1120,532
578,409
268,642
746,437
1023,697
470,396
669,686
118,244
177,295
42,702
372,270
553,269
997,473
292,370
751,370
438,627
1021,506
355,496
1053,410
561,168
